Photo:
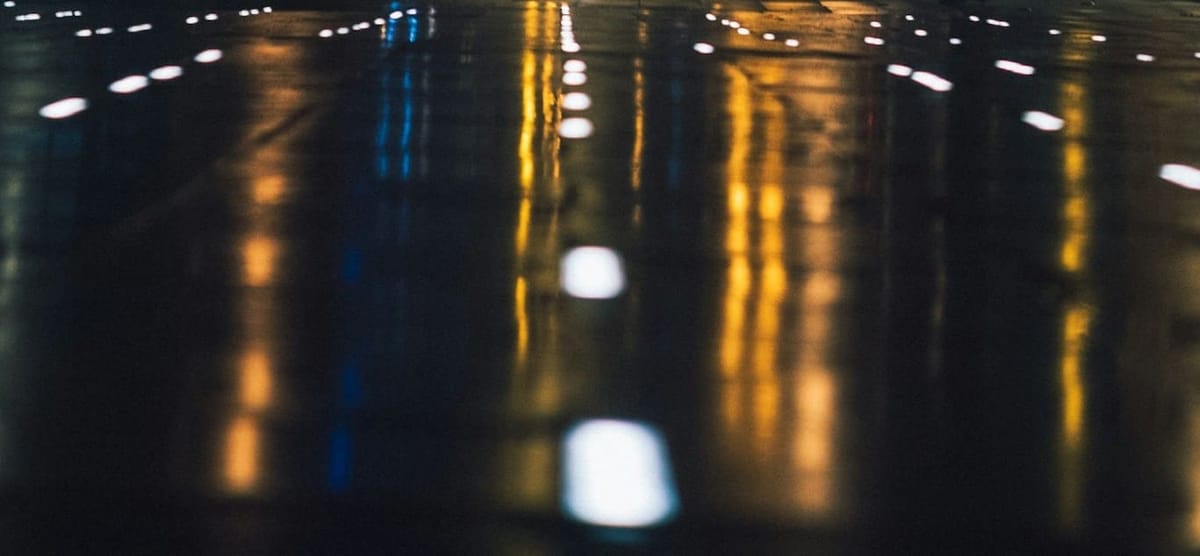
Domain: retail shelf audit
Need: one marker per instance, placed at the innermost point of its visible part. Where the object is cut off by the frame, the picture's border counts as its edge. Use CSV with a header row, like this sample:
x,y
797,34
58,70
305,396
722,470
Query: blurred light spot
x,y
10,4
1042,120
574,78
899,70
1145,58
876,25
1099,38
932,81
343,30
211,17
1055,32
710,17
131,84
140,28
268,9
258,257
1015,67
909,18
768,36
571,47
166,73
743,31
574,66
254,11
64,108
242,454
1181,175
83,33
104,31
592,273
379,21
704,48
973,18
576,128
412,11
209,56
577,101
325,33
955,41
874,41
396,15
734,24
29,17
997,23
725,22
792,43
921,33
192,20
617,474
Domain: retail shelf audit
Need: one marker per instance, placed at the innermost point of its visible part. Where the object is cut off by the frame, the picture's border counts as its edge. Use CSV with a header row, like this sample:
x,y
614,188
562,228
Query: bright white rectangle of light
x,y
899,70
704,48
1015,67
592,272
575,66
932,81
192,20
576,128
793,43
576,101
617,474
874,41
166,73
1181,175
1145,58
211,17
131,84
1042,120
574,78
140,28
64,108
1099,38
84,33
209,56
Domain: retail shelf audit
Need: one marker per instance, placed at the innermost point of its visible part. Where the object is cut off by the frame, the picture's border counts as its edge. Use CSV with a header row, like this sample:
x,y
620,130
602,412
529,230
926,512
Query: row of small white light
x,y
103,31
68,13
72,106
255,11
737,27
364,25
195,19
574,75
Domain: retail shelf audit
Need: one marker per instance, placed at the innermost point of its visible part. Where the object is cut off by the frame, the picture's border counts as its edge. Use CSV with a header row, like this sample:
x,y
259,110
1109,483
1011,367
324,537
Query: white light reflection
x,y
997,23
1145,58
1099,38
85,33
343,30
130,84
921,33
574,78
1042,120
325,33
29,17
209,56
140,28
704,48
909,18
955,41
710,17
793,43
574,66
1055,32
876,25
974,19
617,474
1181,175
576,128
192,20
211,17
768,36
166,73
10,4
592,272
576,101
874,41
932,81
104,31
1015,67
899,70
64,108
743,31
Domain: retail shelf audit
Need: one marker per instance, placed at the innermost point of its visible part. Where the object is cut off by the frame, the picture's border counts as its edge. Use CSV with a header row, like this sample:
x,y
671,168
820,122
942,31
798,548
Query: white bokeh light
x,y
617,474
1181,175
592,273
64,108
1042,120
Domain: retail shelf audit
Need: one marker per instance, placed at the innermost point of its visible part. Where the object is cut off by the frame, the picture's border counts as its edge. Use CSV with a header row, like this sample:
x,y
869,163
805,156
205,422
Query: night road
x,y
590,277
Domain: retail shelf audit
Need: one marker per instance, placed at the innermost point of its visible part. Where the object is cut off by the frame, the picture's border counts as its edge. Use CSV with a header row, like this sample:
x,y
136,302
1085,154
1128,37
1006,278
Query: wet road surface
x,y
540,278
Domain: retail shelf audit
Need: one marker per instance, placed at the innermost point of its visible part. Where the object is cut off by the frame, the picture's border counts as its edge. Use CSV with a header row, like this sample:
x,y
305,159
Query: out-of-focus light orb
x,y
998,23
211,17
874,41
1042,120
268,9
166,73
343,30
932,81
576,128
1099,38
244,13
396,14
209,56
743,31
955,41
734,24
793,43
64,108
130,84
592,273
876,25
85,33
704,48
973,18
104,31
899,70
574,66
10,4
921,33
574,78
910,18
1055,32
140,28
192,20
576,101
571,47
1145,58
412,11
325,33
768,36
1015,67
617,474
1181,175
710,16
379,21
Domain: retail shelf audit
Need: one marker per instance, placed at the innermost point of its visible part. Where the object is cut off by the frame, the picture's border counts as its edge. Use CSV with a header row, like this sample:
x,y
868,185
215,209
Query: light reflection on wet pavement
x,y
541,277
